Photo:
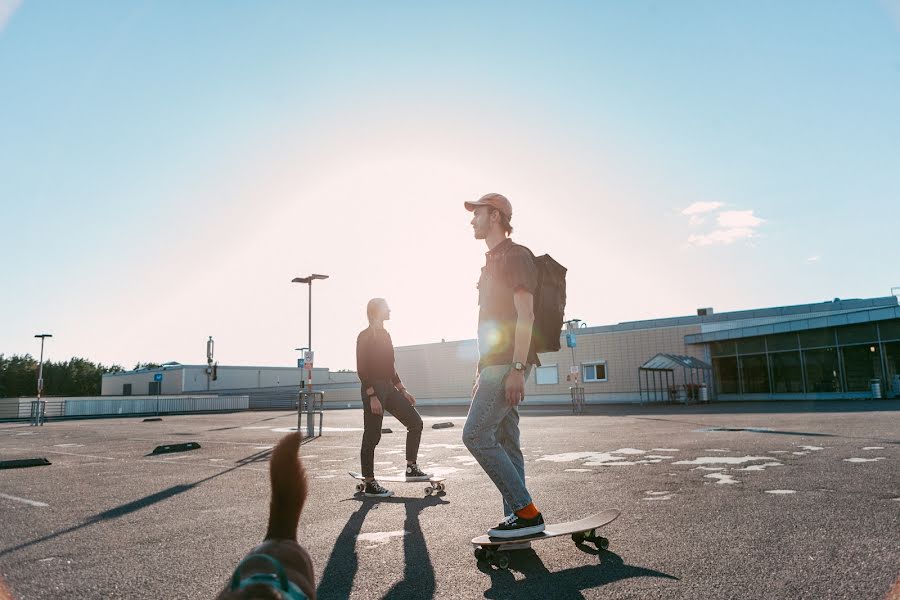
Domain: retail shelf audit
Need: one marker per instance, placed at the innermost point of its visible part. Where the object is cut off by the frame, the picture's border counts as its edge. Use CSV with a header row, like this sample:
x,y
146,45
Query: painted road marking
x,y
862,460
24,500
722,478
781,491
725,460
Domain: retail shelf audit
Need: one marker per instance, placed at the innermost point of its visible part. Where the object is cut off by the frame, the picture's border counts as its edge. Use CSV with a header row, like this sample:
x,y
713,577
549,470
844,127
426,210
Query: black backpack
x,y
549,304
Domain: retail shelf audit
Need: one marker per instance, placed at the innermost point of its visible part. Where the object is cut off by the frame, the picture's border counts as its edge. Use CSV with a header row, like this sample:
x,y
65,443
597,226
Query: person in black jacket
x,y
382,390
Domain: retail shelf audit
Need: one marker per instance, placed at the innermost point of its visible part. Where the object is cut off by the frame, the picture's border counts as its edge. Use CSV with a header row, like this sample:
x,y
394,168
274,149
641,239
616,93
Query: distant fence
x,y
105,406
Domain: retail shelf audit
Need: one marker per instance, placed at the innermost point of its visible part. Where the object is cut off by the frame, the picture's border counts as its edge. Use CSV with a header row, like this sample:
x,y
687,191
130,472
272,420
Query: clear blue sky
x,y
166,168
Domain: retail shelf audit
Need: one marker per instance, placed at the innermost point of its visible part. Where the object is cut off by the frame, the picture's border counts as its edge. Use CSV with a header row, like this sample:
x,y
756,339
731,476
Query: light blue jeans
x,y
491,434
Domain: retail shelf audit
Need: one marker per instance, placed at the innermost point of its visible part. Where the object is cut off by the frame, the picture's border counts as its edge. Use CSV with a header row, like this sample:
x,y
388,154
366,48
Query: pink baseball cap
x,y
497,201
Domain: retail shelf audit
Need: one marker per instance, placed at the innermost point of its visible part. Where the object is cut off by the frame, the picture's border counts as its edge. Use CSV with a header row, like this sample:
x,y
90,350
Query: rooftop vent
x,y
704,312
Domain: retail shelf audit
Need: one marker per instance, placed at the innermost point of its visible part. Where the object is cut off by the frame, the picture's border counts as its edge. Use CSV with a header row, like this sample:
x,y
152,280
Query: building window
x,y
547,375
726,374
153,388
755,374
126,389
787,372
861,364
822,374
892,356
890,330
594,371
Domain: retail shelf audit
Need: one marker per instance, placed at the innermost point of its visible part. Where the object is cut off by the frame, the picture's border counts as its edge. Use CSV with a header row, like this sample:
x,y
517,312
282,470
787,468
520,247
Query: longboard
x,y
490,549
435,484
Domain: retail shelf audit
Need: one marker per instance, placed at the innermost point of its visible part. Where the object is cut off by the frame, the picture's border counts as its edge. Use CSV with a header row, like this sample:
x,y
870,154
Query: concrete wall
x,y
446,370
191,379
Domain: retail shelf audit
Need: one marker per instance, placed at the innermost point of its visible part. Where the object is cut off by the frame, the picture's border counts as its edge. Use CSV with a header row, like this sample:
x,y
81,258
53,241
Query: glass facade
x,y
817,361
892,363
861,365
787,372
823,373
754,374
726,374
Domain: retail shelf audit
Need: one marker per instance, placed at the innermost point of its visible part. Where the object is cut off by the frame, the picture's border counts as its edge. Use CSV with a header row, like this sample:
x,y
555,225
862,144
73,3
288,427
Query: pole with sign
x,y
308,358
158,377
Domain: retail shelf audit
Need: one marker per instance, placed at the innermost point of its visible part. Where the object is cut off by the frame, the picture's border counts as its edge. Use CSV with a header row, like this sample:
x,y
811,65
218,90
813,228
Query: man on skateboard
x,y
382,389
505,319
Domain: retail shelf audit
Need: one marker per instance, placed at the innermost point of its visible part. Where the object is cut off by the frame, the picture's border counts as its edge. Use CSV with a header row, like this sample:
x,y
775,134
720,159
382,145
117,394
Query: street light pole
x,y
40,382
308,281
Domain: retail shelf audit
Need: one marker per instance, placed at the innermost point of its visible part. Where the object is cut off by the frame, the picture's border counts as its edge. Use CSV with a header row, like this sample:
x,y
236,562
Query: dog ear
x,y
289,488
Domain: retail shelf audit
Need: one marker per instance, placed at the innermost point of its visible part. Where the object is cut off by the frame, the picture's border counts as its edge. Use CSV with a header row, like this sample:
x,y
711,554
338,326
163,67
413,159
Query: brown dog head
x,y
279,568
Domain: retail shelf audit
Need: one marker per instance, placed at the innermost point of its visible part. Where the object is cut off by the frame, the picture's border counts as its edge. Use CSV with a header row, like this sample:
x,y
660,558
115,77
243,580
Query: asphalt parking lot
x,y
721,501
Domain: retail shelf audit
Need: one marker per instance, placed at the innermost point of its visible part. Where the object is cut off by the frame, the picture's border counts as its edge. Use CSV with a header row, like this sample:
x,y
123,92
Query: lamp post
x,y
308,280
40,381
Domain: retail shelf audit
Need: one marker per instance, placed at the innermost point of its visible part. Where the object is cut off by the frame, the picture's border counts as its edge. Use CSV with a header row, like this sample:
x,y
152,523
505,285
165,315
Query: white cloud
x,y
721,236
731,226
7,8
813,259
738,219
698,208
696,220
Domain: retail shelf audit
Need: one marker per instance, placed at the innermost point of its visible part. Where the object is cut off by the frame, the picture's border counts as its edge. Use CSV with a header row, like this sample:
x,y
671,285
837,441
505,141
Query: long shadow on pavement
x,y
418,572
539,582
136,505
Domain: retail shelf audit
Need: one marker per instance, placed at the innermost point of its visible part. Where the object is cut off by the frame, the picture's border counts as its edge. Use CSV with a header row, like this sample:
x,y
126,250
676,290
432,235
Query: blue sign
x,y
300,363
570,340
157,377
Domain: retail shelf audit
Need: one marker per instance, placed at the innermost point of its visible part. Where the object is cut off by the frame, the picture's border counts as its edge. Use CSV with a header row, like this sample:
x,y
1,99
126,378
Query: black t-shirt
x,y
375,357
508,267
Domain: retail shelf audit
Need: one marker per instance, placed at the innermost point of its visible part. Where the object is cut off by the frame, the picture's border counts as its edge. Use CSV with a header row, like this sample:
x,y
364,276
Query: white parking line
x,y
24,500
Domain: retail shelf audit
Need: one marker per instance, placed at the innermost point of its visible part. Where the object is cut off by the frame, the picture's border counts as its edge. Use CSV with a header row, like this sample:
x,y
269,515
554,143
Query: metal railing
x,y
310,404
37,412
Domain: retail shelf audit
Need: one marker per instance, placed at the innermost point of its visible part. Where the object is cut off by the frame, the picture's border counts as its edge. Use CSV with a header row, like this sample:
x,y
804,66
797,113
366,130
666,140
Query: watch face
x,y
518,366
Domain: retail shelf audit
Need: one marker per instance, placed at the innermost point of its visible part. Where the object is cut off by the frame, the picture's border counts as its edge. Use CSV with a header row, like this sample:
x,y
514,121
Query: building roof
x,y
798,311
800,323
670,362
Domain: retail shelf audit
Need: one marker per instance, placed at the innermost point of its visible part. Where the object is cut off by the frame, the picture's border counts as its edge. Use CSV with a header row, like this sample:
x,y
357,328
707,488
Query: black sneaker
x,y
515,526
375,490
414,473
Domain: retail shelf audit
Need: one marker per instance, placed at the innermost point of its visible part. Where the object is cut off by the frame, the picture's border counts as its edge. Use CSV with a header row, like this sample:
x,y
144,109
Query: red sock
x,y
529,512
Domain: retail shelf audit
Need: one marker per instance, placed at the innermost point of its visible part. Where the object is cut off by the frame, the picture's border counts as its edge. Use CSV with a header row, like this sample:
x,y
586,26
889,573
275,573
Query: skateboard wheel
x,y
503,562
429,490
602,543
578,537
480,554
440,487
360,487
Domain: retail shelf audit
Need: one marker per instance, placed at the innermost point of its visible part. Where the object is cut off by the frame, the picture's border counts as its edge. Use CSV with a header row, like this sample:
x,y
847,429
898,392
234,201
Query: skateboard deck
x,y
435,484
490,549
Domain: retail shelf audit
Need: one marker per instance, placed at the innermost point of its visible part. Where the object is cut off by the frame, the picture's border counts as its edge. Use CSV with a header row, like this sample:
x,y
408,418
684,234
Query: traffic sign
x,y
157,377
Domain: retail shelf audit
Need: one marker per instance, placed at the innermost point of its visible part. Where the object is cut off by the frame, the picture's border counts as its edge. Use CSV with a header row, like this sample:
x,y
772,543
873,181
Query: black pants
x,y
395,403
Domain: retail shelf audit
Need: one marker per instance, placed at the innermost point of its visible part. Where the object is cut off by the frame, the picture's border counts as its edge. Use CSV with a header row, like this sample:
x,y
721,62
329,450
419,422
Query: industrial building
x,y
841,349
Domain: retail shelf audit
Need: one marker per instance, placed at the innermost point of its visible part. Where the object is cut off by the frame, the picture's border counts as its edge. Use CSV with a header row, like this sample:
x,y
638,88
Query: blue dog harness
x,y
277,580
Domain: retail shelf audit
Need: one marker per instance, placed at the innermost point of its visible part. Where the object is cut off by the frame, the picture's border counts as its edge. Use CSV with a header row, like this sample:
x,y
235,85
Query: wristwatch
x,y
519,367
